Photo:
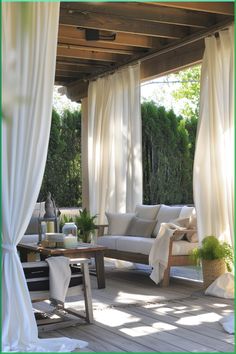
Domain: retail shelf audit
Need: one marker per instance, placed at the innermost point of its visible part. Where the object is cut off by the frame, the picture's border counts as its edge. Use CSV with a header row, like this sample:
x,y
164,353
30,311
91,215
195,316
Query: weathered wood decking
x,y
132,314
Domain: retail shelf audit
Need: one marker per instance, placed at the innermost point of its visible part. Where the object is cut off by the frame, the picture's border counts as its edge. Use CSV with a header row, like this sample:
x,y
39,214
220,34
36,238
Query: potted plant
x,y
216,257
85,224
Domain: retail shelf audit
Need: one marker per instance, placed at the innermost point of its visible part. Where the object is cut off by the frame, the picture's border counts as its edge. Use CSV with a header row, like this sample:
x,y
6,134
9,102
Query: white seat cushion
x,y
108,241
142,244
135,244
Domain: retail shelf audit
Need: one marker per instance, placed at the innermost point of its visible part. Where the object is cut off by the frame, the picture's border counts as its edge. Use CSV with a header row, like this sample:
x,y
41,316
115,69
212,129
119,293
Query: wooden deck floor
x,y
132,314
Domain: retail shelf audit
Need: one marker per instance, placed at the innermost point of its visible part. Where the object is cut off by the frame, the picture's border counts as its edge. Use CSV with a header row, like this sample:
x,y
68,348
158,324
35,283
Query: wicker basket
x,y
211,270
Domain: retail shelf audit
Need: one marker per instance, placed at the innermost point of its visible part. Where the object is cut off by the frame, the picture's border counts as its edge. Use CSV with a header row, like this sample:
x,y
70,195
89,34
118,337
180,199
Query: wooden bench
x,y
83,288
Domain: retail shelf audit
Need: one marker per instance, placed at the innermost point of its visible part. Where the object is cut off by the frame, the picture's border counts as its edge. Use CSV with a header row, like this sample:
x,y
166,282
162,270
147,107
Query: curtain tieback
x,y
9,248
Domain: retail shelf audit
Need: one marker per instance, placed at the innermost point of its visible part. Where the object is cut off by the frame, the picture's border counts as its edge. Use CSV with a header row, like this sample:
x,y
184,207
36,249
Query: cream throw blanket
x,y
59,278
159,253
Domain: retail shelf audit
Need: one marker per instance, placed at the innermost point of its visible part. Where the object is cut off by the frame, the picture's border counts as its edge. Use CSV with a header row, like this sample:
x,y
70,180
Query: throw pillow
x,y
166,214
148,212
186,211
118,223
140,227
192,237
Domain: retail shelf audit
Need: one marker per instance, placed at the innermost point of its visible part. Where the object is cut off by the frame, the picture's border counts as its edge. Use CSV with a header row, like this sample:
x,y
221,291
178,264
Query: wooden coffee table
x,y
85,250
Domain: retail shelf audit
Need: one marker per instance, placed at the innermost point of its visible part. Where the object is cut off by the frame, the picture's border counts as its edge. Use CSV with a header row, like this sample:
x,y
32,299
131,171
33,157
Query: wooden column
x,y
84,152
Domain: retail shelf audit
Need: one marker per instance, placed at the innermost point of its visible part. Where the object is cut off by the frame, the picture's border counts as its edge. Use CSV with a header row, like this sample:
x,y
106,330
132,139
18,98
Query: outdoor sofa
x,y
130,236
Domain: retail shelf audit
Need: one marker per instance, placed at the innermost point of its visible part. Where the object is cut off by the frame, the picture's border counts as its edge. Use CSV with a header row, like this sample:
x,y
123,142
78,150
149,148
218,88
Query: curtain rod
x,y
190,39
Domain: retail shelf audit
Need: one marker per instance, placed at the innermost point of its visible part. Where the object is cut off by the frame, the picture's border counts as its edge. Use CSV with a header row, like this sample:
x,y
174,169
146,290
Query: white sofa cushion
x,y
148,212
108,241
140,227
142,245
118,222
135,244
166,214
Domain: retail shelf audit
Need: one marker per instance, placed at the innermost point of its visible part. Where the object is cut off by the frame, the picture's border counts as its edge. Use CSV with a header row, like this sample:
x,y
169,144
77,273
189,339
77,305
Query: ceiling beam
x,y
222,8
118,24
129,39
61,65
142,11
175,60
96,46
73,52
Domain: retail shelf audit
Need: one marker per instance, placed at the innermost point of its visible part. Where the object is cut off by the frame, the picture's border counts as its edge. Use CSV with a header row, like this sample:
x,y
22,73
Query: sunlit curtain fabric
x,y
114,143
29,39
214,156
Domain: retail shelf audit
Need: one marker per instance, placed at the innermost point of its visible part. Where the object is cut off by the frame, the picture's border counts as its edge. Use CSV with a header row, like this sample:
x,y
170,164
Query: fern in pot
x,y
86,225
216,258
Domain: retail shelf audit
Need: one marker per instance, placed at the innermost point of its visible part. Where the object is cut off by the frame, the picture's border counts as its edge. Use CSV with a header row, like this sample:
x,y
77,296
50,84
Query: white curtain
x,y
114,143
29,39
214,156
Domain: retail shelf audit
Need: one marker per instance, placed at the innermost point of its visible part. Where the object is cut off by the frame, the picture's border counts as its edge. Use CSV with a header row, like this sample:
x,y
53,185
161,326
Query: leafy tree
x,y
189,91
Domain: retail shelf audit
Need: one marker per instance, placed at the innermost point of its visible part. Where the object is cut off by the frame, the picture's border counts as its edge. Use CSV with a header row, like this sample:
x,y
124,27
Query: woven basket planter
x,y
211,270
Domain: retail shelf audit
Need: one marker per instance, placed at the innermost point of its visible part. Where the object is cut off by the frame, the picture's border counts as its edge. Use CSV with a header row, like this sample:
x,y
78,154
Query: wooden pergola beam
x,y
178,59
73,52
222,8
96,46
127,39
142,12
118,24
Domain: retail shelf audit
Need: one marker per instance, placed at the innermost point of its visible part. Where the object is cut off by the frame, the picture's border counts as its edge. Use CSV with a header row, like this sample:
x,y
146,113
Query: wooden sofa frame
x,y
144,259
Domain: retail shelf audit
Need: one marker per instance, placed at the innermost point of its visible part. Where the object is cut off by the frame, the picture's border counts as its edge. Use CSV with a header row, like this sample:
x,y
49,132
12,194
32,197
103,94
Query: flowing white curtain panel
x,y
114,143
29,39
214,156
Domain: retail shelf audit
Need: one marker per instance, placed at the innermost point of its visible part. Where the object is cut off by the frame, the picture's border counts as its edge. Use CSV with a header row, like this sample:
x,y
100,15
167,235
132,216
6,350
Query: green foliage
x,y
62,175
167,160
212,249
86,225
189,91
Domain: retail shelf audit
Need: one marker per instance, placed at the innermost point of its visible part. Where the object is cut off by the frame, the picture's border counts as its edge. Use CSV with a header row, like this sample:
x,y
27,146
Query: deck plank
x,y
132,314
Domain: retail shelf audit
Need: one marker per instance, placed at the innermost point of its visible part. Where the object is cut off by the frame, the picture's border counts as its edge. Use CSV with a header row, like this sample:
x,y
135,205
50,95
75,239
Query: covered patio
x,y
100,53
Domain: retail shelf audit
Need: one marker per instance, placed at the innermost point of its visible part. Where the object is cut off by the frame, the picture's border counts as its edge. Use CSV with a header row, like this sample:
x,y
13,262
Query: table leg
x,y
26,256
99,262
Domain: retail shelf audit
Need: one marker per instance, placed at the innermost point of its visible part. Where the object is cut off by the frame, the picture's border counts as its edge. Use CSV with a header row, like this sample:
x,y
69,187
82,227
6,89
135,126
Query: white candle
x,y
70,241
50,226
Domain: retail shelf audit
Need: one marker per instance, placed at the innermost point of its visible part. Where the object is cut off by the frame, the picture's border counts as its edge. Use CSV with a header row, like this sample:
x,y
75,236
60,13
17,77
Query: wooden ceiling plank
x,y
121,38
143,11
117,24
97,44
222,8
97,47
82,61
76,68
77,53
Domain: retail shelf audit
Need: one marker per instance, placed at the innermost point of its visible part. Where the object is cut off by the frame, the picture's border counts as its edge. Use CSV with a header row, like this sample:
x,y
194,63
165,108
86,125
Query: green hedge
x,y
62,175
168,151
168,143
